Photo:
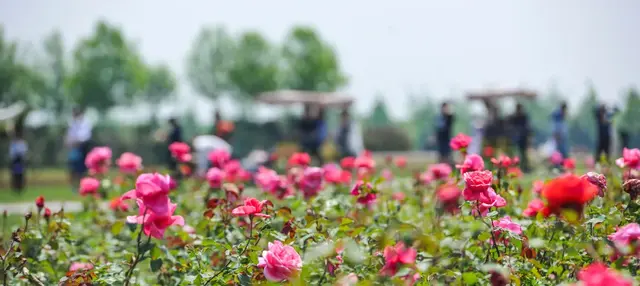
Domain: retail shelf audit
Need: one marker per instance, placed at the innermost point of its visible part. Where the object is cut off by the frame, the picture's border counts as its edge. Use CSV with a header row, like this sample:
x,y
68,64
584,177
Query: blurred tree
x,y
255,68
422,116
582,125
209,62
55,74
107,70
18,81
379,116
310,63
628,119
539,112
161,84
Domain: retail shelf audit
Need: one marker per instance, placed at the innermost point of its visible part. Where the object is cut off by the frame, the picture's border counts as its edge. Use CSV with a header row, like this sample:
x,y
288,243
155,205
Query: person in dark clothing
x,y
624,138
78,140
444,124
344,132
18,160
519,122
310,128
603,120
175,135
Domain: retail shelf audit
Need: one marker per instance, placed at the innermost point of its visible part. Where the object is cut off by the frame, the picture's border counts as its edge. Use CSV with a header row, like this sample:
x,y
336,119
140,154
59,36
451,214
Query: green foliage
x,y
311,63
379,116
582,127
209,62
255,67
161,84
107,70
18,81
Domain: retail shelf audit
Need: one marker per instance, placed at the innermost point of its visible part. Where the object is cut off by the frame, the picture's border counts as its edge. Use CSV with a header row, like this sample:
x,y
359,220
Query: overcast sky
x,y
387,47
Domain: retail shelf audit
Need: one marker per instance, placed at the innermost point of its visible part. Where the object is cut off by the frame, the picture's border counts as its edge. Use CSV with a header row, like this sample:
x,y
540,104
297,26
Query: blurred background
x,y
134,64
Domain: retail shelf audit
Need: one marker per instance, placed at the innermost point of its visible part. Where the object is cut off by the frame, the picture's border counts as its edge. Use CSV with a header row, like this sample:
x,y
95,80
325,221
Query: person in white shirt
x,y
78,141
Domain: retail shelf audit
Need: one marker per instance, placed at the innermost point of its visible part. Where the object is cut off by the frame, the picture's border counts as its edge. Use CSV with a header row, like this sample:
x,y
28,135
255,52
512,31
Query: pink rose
x,y
476,183
460,141
251,207
556,158
471,163
155,224
215,177
280,262
569,164
89,186
267,179
299,160
364,193
365,162
396,256
630,159
116,204
448,196
219,158
538,186
535,206
401,162
153,191
507,224
398,196
311,182
598,274
129,163
98,160
489,200
626,234
180,151
387,174
440,171
75,266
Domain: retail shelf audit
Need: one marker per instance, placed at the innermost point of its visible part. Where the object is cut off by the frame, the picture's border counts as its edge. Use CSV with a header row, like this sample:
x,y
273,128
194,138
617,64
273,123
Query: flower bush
x,y
361,221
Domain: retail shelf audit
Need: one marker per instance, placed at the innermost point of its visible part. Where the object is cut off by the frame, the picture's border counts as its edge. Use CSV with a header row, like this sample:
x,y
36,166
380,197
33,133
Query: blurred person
x,y
175,135
308,131
624,139
519,122
560,130
603,121
18,159
444,124
344,135
222,128
78,140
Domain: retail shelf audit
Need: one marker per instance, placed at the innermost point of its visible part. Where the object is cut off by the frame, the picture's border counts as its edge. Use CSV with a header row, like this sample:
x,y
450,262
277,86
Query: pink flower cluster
x,y
98,160
365,193
630,159
180,151
460,141
471,163
155,208
225,170
129,163
478,188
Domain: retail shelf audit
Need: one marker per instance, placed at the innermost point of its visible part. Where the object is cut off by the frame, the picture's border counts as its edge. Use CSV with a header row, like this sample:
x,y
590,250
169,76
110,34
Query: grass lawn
x,y
51,193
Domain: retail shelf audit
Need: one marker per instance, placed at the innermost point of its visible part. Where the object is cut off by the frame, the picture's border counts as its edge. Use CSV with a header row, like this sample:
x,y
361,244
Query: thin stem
x,y
139,253
224,268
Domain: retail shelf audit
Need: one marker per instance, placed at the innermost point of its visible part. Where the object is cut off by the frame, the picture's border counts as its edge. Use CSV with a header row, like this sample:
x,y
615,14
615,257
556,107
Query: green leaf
x,y
346,221
116,228
155,264
484,236
244,279
469,278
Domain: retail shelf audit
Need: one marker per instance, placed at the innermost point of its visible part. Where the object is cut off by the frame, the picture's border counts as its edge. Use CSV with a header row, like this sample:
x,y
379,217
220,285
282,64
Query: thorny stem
x,y
139,254
224,268
4,259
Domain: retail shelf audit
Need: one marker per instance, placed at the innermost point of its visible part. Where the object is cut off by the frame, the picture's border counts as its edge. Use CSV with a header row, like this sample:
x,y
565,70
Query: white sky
x,y
386,47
